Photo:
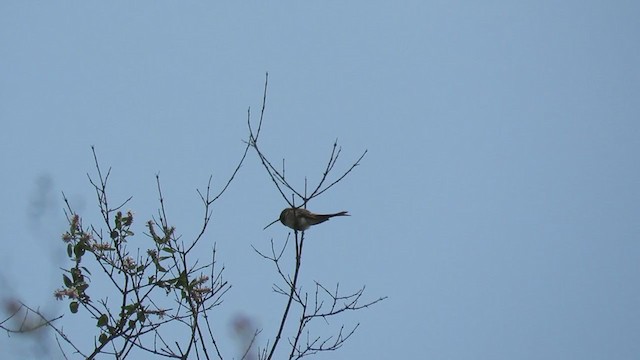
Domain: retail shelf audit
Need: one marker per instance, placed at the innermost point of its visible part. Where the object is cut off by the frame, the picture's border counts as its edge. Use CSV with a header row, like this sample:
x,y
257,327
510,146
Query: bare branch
x,y
293,291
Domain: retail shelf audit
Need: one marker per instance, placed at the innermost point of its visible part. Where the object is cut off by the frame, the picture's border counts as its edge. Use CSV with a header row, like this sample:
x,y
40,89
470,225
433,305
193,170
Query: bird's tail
x,y
341,213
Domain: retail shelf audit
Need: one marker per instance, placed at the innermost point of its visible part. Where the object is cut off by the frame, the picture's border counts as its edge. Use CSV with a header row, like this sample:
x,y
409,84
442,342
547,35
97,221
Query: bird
x,y
300,219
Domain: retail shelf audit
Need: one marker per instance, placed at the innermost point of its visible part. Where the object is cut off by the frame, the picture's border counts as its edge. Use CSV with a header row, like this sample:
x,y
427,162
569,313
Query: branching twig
x,y
293,292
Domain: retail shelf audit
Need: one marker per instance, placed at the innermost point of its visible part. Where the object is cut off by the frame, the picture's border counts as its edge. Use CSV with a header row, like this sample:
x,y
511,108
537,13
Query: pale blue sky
x,y
497,206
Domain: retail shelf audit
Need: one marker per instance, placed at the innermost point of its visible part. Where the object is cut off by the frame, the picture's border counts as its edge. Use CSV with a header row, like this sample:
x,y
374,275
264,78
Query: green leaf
x,y
73,306
130,309
182,280
132,324
86,270
103,320
168,249
103,338
67,281
141,316
79,250
69,250
82,287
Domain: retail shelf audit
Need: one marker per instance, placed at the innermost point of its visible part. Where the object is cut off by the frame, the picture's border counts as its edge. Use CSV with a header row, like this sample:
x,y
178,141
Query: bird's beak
x,y
274,221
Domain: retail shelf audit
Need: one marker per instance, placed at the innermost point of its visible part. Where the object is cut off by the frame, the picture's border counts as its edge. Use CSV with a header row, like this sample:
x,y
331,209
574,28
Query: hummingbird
x,y
300,219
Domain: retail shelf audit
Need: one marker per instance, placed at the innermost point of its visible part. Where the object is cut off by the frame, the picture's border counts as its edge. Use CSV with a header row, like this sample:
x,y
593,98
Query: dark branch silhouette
x,y
292,291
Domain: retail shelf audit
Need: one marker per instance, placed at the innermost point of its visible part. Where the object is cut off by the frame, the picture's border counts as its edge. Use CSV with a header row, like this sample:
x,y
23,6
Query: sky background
x,y
497,206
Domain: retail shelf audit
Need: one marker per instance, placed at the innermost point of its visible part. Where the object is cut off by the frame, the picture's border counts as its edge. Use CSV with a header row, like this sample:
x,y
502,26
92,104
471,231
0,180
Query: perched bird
x,y
301,219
